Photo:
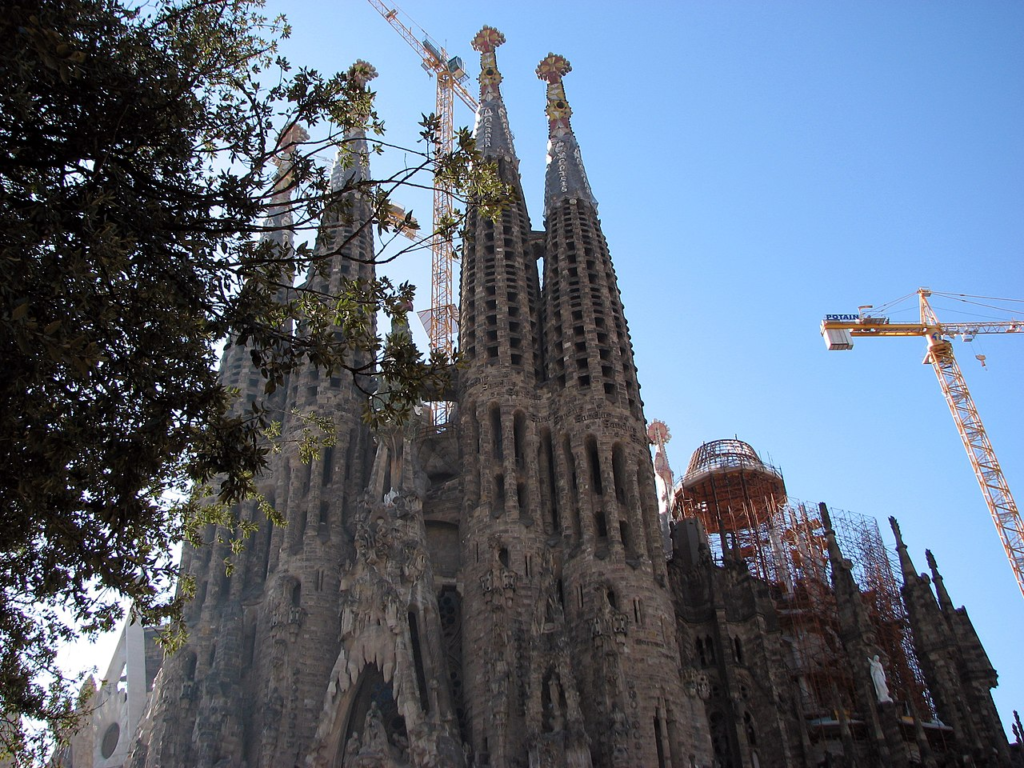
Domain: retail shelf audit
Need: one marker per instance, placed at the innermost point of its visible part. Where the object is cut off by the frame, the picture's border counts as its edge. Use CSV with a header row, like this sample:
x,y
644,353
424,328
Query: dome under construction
x,y
727,485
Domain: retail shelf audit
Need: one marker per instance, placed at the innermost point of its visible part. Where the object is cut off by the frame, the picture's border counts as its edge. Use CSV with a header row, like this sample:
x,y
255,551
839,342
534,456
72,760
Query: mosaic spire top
x,y
352,161
294,136
493,136
566,177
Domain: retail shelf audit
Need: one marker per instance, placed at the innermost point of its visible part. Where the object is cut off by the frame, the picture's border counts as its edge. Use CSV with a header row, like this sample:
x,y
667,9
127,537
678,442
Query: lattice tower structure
x,y
441,319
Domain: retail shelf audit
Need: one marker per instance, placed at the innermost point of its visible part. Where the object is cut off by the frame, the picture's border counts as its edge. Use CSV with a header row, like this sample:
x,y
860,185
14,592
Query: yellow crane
x,y
839,331
442,317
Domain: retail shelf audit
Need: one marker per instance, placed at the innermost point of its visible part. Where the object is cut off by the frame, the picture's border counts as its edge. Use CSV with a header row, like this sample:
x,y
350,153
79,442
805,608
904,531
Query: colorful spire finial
x,y
487,41
361,72
493,136
352,161
566,178
294,135
551,70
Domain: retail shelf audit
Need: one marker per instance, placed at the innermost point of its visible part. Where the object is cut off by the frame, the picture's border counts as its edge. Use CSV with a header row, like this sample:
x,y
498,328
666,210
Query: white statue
x,y
878,678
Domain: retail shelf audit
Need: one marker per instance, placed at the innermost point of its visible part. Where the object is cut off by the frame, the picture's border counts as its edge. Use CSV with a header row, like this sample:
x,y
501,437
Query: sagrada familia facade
x,y
499,592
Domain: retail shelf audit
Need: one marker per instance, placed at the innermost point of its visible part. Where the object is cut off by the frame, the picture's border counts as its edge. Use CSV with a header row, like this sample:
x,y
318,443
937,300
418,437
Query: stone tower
x,y
563,567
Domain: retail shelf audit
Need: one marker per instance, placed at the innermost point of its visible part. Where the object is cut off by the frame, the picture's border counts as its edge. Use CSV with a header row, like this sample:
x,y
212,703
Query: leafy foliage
x,y
136,169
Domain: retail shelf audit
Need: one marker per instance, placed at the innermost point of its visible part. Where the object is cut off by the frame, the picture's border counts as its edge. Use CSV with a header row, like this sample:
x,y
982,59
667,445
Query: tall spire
x,y
493,136
566,177
945,602
293,136
352,161
279,221
906,564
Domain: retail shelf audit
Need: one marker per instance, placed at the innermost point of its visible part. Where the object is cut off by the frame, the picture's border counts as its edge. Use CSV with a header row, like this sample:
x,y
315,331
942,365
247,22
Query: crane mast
x,y
839,330
441,318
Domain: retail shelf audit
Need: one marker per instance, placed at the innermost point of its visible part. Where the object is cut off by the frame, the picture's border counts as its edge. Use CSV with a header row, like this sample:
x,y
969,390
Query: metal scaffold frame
x,y
783,543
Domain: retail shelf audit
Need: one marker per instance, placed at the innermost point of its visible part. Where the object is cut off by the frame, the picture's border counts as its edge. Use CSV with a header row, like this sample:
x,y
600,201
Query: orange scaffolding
x,y
734,493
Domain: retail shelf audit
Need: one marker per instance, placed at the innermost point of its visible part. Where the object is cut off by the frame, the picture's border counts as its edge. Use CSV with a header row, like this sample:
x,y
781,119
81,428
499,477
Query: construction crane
x,y
442,317
839,331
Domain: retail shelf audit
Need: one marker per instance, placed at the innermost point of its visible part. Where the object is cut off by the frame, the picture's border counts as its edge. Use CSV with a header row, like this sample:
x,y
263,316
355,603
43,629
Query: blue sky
x,y
758,165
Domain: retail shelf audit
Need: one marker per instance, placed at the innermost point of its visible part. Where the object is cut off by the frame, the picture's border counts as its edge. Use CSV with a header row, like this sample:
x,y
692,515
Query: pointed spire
x,y
492,134
566,177
945,603
279,220
835,555
724,539
352,164
292,137
826,518
906,564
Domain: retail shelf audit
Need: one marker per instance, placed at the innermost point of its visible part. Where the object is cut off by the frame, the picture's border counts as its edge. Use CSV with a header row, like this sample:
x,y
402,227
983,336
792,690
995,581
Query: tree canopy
x,y
136,149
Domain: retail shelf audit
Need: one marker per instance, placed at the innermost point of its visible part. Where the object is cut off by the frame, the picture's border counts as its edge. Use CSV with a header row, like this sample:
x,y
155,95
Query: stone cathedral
x,y
500,592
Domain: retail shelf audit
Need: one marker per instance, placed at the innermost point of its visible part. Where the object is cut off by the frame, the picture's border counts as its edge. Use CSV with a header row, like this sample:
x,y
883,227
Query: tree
x,y
135,173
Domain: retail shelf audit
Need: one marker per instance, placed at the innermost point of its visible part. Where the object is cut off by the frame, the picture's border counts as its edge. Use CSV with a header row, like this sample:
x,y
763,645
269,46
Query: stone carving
x,y
878,678
373,729
620,623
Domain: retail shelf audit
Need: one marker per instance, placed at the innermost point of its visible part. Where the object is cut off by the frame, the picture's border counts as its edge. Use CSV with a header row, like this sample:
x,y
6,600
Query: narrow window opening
x,y
300,529
627,538
657,742
499,453
328,466
619,472
549,460
417,658
307,475
595,465
519,438
574,488
499,490
638,611
323,529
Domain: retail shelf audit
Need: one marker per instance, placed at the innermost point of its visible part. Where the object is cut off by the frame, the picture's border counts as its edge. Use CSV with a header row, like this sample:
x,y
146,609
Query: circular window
x,y
110,739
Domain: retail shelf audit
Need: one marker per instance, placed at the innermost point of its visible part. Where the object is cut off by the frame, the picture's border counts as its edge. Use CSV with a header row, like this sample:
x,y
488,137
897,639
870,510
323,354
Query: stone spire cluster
x,y
496,593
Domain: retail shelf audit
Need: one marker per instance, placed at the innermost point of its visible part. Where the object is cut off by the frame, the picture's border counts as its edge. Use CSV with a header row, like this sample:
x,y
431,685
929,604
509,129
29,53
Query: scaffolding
x,y
744,501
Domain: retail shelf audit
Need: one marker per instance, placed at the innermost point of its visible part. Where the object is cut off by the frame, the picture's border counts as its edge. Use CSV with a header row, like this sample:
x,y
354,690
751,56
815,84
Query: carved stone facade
x,y
497,593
